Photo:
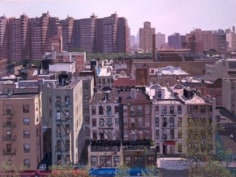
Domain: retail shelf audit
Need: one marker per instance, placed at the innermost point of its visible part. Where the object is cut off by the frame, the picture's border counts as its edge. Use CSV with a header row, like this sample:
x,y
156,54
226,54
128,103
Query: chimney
x,y
154,55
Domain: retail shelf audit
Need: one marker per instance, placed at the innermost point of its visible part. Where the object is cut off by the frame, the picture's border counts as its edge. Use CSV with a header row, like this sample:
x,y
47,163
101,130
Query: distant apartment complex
x,y
30,38
200,40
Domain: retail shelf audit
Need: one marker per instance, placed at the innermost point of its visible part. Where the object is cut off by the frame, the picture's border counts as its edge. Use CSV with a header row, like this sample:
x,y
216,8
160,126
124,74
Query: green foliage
x,y
200,139
211,169
9,170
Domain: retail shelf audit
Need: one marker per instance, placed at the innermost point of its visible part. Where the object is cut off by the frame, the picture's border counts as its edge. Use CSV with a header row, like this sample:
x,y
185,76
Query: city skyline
x,y
166,16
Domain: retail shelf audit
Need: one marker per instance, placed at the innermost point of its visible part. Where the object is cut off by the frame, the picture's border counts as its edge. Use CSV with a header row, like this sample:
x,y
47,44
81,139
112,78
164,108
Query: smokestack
x,y
154,55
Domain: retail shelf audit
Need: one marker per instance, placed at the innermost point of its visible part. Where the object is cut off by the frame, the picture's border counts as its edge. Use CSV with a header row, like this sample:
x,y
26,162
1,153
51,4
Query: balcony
x,y
9,137
9,151
9,124
8,112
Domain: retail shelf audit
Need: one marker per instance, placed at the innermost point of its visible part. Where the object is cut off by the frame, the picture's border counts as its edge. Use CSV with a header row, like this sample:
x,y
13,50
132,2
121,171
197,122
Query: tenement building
x,y
63,114
20,125
183,121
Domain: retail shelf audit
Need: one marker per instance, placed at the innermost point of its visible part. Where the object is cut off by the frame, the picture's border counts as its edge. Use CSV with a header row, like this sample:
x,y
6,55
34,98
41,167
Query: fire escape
x,y
9,136
107,134
63,131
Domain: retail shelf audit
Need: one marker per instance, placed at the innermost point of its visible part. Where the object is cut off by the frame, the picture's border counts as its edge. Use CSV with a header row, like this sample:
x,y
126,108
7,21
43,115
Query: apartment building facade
x,y
30,38
63,115
20,126
104,149
201,40
3,37
173,111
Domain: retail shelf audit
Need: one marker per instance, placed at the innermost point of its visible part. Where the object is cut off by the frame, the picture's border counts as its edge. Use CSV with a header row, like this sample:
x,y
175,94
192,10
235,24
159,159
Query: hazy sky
x,y
167,16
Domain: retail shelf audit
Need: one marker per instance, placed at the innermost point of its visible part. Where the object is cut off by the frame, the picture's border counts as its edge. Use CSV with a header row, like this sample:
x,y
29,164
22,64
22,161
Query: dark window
x,y
26,108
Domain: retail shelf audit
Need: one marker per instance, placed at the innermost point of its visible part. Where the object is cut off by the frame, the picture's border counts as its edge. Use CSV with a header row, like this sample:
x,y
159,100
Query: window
x,y
67,115
26,108
26,133
157,109
9,148
116,109
109,122
172,121
172,109
140,110
58,115
94,135
93,110
26,148
67,129
164,110
8,109
164,135
127,160
27,163
101,122
116,161
67,100
179,121
26,121
93,160
179,110
132,110
58,147
157,121
172,134
100,110
58,130
109,112
164,122
179,147
179,134
67,145
157,134
94,122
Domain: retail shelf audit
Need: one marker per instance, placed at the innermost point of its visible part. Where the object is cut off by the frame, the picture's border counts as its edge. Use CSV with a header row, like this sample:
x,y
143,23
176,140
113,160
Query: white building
x,y
231,40
58,67
172,109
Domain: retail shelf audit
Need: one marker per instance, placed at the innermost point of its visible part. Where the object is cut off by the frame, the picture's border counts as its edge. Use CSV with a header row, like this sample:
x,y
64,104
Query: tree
x,y
216,169
9,170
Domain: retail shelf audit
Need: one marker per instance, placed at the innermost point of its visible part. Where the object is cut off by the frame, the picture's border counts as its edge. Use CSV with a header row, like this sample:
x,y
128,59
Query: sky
x,y
166,16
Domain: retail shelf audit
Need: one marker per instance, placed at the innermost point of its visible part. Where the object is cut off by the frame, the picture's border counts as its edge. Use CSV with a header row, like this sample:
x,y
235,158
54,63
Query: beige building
x,y
146,37
20,126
